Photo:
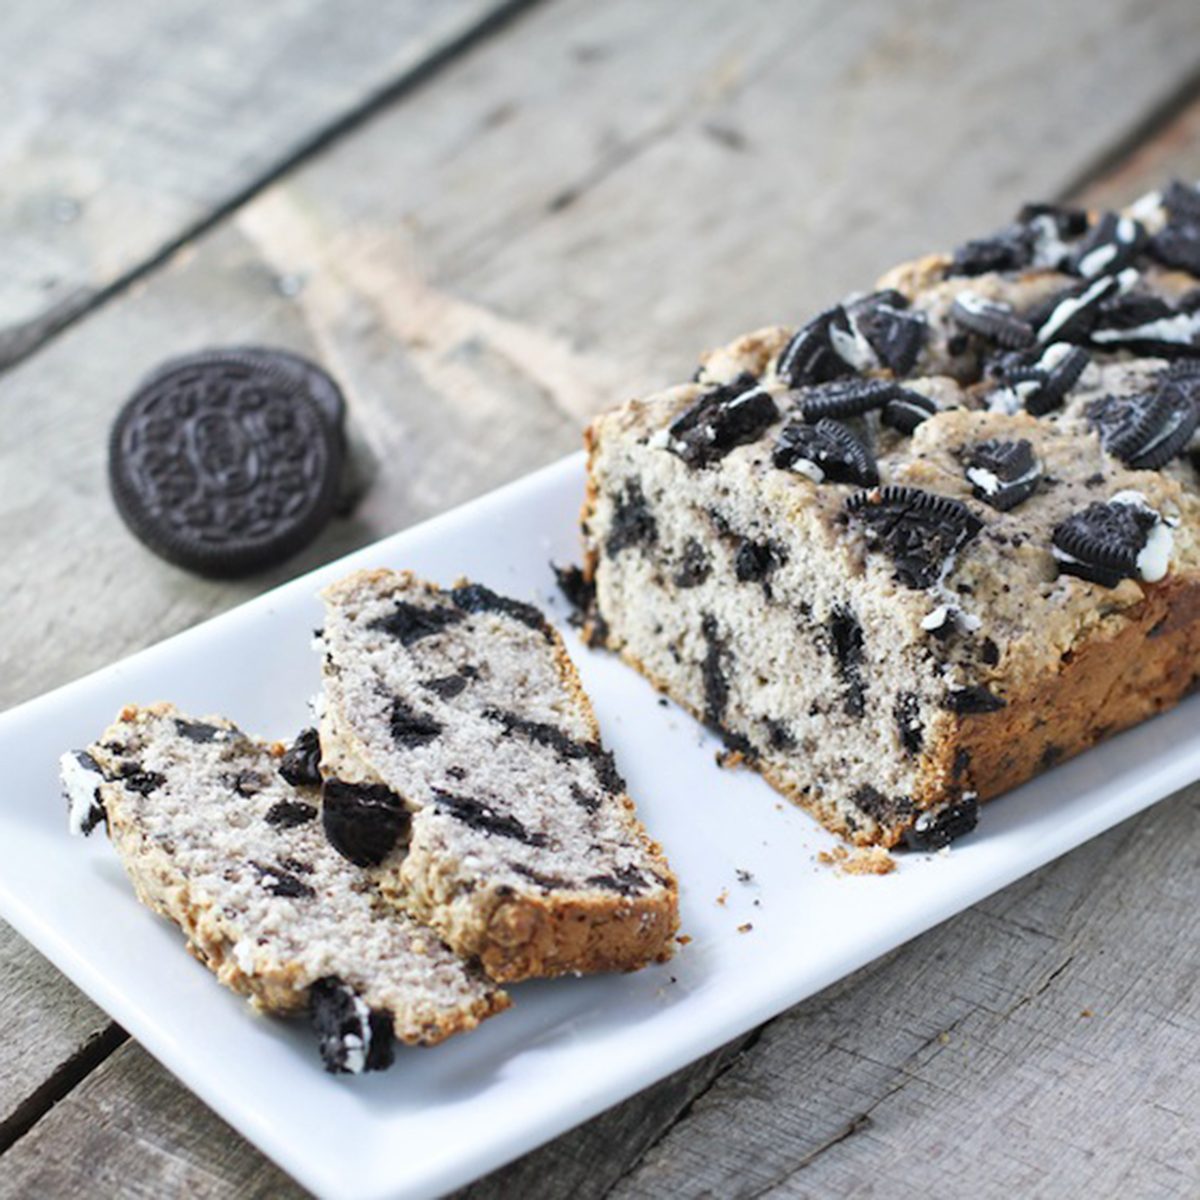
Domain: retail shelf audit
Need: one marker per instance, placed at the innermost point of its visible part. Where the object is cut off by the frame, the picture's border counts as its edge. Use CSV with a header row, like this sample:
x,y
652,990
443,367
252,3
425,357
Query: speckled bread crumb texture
x,y
525,850
192,809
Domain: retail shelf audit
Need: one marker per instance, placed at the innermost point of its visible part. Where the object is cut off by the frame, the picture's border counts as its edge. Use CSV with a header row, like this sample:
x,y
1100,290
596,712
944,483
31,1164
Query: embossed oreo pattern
x,y
224,464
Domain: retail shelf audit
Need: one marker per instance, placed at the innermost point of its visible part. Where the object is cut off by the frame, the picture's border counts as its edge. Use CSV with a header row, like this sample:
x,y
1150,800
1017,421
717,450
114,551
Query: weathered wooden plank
x,y
510,250
47,1025
127,125
1044,1043
130,1131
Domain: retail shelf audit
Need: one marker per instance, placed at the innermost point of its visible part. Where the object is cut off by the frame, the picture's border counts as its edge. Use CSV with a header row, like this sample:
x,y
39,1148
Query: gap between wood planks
x,y
61,1081
52,323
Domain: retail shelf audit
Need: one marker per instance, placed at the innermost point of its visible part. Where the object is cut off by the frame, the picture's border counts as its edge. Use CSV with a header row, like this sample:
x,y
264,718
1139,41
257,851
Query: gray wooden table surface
x,y
491,220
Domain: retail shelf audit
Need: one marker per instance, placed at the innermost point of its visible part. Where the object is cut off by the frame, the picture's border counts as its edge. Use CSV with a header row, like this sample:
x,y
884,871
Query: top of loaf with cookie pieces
x,y
1002,439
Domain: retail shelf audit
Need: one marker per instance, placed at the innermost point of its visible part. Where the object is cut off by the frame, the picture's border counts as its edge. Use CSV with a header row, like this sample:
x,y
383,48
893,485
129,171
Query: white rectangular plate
x,y
568,1048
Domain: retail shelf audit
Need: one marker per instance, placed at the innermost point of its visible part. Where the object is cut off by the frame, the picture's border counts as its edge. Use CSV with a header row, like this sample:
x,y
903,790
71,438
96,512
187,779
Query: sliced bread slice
x,y
219,834
463,759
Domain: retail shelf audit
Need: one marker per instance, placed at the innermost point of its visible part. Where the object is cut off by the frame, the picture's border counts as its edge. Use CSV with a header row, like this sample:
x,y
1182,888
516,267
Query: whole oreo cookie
x,y
228,461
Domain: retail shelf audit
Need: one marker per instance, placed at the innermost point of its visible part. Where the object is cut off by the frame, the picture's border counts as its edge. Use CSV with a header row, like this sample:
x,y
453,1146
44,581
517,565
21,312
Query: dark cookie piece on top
x,y
1107,542
825,451
363,821
727,416
920,531
1003,474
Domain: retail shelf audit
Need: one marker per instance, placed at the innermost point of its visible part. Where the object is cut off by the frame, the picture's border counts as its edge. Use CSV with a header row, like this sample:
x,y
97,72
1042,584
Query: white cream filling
x,y
1069,307
1149,210
1154,558
1049,250
1097,261
990,483
1011,400
356,1046
79,784
852,347
806,466
1180,329
950,613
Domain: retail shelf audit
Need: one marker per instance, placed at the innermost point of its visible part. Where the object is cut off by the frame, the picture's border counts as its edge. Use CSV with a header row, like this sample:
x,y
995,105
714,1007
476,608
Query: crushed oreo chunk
x,y
716,682
1182,202
919,531
909,728
475,598
694,565
991,319
938,827
352,1037
845,639
287,814
729,415
907,410
578,589
755,561
409,623
1111,246
301,762
363,821
1107,542
1003,474
282,881
1177,247
1009,249
895,335
480,815
81,777
446,687
972,699
1075,313
845,398
410,728
827,450
627,880
884,810
1146,430
810,355
633,523
136,779
197,731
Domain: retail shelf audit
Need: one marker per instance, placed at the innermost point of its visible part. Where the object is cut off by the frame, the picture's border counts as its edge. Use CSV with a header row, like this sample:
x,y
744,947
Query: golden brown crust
x,y
1108,682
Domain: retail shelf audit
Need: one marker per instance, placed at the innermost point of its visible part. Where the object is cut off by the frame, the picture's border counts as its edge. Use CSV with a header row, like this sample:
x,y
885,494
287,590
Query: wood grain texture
x,y
130,1131
127,125
483,265
44,1025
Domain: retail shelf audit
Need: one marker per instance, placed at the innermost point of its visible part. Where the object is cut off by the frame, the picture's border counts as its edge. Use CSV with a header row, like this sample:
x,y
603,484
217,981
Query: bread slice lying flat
x,y
215,838
464,764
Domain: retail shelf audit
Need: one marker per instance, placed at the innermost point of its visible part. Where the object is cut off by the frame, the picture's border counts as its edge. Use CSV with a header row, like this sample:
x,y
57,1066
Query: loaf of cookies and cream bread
x,y
936,539
464,767
221,834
